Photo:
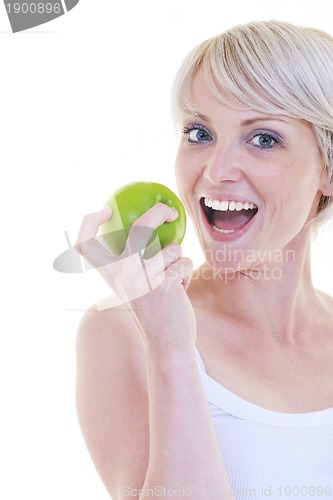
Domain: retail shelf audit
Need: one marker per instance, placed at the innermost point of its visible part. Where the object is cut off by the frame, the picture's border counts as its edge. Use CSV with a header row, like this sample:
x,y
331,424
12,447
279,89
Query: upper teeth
x,y
229,205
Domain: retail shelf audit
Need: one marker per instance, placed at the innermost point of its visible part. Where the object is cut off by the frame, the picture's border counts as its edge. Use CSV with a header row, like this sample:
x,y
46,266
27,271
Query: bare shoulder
x,y
111,394
109,329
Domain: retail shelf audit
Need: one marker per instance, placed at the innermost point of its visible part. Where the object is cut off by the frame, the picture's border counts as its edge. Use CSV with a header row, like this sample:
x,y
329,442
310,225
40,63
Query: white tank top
x,y
269,454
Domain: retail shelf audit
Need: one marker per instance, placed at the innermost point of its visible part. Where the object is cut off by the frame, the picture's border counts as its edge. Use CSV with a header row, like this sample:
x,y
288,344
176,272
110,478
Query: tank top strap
x,y
200,361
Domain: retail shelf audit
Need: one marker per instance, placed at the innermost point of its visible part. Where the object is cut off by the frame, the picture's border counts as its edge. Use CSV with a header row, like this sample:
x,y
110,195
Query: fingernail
x,y
174,215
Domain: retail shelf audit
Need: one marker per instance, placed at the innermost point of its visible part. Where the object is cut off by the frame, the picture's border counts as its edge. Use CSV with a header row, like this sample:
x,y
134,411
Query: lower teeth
x,y
225,231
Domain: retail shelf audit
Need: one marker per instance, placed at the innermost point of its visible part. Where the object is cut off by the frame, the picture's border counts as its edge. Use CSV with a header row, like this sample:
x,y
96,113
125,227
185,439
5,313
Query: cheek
x,y
184,172
178,169
181,179
297,191
296,182
186,179
180,183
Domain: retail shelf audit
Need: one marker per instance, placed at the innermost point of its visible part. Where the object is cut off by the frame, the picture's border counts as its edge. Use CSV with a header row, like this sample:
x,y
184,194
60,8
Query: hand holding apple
x,y
129,203
154,290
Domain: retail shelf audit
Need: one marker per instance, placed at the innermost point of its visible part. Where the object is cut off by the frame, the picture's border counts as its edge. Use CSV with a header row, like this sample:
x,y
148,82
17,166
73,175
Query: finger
x,y
87,245
155,266
156,215
143,228
95,254
187,280
91,223
180,272
162,260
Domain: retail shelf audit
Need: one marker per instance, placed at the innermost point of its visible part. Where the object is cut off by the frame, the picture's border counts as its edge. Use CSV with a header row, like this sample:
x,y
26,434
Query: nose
x,y
224,163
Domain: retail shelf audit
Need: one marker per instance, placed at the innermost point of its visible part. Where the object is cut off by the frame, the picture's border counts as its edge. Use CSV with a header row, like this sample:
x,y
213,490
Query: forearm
x,y
184,453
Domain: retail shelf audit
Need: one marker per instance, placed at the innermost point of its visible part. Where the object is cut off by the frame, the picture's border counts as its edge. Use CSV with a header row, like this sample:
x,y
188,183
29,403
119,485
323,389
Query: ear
x,y
327,183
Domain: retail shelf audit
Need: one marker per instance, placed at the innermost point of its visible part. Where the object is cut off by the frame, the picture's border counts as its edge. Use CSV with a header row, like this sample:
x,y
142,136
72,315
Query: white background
x,y
84,106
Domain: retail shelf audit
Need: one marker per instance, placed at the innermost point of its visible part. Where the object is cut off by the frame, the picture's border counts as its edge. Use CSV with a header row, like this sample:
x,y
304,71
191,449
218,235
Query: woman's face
x,y
231,159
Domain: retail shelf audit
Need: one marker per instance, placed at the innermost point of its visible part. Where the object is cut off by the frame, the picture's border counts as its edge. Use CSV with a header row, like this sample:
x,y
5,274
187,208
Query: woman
x,y
221,386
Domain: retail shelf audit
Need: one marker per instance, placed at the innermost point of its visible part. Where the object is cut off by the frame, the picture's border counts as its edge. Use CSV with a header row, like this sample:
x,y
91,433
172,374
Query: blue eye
x,y
197,134
264,140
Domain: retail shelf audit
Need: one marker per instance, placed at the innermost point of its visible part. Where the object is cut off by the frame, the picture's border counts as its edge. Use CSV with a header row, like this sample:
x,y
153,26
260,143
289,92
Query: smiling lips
x,y
228,216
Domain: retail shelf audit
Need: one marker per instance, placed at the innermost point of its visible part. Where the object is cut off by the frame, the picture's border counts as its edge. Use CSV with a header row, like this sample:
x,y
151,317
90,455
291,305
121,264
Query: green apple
x,y
131,201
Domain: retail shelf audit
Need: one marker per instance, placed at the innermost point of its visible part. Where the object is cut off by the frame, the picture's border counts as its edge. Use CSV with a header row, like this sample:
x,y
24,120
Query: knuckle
x,y
137,222
87,218
188,263
82,247
92,218
78,247
173,251
161,205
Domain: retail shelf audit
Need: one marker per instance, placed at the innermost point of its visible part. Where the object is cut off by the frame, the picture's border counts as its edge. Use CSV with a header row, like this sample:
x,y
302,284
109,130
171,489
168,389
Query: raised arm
x,y
141,402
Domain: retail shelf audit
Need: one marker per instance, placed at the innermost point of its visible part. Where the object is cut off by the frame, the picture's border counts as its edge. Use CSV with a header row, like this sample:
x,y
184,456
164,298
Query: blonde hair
x,y
276,67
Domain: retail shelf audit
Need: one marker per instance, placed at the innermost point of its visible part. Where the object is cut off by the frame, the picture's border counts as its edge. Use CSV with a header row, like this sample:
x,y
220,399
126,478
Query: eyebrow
x,y
250,121
197,114
244,123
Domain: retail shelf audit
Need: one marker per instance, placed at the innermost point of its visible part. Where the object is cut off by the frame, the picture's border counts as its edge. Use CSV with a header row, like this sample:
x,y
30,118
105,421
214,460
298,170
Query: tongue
x,y
230,220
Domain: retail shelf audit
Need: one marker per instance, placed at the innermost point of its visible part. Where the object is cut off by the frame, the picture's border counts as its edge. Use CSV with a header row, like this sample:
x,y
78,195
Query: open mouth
x,y
228,216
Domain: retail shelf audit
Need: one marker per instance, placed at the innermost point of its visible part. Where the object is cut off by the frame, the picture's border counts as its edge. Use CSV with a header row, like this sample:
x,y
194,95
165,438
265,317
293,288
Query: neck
x,y
275,301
